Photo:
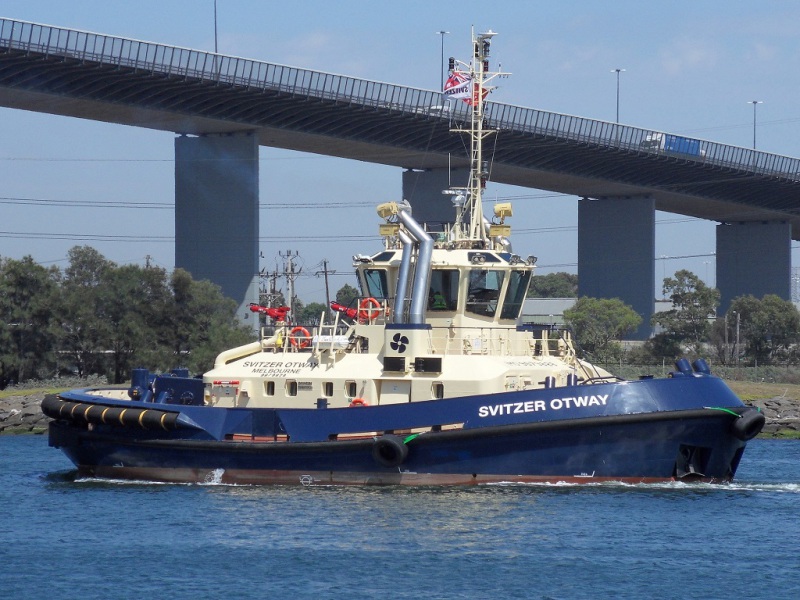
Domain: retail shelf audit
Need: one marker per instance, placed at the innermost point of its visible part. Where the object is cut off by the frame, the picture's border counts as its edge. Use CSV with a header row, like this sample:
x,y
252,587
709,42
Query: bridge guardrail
x,y
251,74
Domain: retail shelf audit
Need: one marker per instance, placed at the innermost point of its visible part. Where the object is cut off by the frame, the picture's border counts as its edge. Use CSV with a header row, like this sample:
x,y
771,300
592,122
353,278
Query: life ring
x,y
299,337
748,425
364,312
389,451
359,402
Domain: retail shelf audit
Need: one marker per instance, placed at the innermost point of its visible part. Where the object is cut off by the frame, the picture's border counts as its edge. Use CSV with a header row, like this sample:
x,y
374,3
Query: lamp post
x,y
755,103
618,71
215,27
441,64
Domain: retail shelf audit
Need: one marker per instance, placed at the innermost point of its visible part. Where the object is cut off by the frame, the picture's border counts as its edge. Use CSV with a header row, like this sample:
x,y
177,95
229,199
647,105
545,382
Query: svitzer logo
x,y
399,343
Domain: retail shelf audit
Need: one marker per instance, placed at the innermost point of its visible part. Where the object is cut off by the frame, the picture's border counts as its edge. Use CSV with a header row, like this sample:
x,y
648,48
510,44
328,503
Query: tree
x,y
554,285
82,329
310,313
203,323
599,322
28,321
767,327
688,321
346,294
109,318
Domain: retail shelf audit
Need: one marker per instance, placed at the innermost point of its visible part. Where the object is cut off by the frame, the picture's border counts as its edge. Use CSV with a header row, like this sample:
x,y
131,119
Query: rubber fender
x,y
389,451
156,419
748,425
51,406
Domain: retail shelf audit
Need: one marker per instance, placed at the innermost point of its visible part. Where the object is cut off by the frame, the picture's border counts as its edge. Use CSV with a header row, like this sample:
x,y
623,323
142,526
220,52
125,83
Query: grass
x,y
749,390
8,392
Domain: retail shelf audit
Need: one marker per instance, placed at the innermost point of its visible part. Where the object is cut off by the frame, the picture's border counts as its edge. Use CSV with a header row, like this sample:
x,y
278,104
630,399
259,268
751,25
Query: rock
x,y
22,414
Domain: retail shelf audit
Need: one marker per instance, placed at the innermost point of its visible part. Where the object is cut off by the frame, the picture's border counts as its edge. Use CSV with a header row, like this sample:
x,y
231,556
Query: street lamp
x,y
441,64
754,103
215,26
617,71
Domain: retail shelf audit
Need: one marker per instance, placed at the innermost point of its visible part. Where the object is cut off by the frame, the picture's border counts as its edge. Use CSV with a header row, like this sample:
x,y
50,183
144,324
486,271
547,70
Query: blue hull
x,y
640,431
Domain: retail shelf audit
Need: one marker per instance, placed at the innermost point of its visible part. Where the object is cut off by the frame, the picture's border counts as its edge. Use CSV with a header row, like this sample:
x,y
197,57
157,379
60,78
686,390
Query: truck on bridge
x,y
674,144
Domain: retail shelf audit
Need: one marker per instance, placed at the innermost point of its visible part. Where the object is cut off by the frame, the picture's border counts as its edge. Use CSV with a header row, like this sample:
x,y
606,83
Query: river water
x,y
88,539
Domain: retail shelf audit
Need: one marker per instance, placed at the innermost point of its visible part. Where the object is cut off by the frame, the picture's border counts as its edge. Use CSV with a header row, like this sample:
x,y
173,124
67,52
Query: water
x,y
63,539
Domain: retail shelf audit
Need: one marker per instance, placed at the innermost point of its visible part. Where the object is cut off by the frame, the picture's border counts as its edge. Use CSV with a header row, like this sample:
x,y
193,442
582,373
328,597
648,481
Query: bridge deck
x,y
74,73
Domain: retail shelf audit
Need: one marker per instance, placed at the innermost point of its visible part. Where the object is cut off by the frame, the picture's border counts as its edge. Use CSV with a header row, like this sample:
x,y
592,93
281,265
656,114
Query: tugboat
x,y
429,378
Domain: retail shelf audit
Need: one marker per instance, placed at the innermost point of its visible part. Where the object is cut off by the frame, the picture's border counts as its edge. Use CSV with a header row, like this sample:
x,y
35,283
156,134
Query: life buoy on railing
x,y
367,313
359,402
299,337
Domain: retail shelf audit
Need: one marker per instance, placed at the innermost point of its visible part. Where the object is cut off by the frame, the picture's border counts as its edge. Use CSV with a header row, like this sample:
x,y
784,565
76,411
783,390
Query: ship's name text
x,y
513,408
274,368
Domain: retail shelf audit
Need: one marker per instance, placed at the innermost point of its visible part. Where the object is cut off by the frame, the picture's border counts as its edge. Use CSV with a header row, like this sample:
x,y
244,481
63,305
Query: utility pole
x,y
325,272
291,275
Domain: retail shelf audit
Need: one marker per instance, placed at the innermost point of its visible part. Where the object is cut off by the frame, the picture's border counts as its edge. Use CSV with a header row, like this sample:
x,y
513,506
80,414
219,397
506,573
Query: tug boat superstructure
x,y
428,378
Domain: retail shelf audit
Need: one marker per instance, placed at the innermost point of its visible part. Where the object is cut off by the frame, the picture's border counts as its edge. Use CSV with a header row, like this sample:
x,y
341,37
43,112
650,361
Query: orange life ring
x,y
299,337
364,312
359,402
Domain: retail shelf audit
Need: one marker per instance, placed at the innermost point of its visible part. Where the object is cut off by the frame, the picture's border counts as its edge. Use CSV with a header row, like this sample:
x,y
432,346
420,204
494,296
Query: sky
x,y
690,68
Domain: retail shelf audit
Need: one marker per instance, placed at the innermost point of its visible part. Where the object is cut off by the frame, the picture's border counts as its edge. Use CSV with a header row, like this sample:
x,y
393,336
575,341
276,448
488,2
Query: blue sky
x,y
690,68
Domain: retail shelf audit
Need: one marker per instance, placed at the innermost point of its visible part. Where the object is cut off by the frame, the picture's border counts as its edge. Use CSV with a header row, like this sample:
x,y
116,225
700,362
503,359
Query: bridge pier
x,y
753,258
616,248
423,189
216,213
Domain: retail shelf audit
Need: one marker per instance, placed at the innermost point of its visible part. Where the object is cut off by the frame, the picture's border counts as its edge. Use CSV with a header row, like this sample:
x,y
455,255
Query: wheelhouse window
x,y
515,294
443,293
484,291
375,282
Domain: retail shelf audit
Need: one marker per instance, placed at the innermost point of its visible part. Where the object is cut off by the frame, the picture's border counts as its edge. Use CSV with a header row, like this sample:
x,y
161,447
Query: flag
x,y
460,86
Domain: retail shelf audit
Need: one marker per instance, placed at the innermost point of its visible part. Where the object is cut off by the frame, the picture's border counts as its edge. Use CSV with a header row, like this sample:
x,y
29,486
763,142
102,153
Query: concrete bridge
x,y
222,108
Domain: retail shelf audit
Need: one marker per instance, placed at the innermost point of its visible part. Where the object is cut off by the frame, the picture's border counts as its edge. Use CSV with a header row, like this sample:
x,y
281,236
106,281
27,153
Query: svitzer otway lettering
x,y
514,408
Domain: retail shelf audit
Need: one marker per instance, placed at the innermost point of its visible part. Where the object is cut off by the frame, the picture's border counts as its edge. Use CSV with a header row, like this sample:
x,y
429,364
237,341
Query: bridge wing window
x,y
484,291
443,293
375,280
515,294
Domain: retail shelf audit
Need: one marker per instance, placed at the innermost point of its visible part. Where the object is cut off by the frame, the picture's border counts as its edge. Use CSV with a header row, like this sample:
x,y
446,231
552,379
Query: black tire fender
x,y
389,451
748,425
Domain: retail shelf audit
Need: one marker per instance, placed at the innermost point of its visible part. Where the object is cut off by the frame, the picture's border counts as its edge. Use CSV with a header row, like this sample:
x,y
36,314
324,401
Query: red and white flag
x,y
458,86
461,86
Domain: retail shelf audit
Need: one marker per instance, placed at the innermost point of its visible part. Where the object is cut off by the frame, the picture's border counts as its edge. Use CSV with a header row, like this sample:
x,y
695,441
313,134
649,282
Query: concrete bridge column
x,y
423,189
216,213
753,258
616,248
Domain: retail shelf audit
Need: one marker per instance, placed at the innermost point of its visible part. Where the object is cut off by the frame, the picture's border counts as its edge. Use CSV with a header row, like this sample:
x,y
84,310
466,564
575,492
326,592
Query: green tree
x,y
83,340
123,328
28,320
203,323
554,285
688,321
767,327
309,314
347,294
600,322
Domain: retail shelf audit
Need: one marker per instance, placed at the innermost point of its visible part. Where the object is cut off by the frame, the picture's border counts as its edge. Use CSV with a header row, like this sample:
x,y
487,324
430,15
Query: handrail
x,y
147,57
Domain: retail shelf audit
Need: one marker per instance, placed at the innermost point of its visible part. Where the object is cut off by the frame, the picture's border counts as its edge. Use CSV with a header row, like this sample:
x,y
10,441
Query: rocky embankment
x,y
783,416
22,414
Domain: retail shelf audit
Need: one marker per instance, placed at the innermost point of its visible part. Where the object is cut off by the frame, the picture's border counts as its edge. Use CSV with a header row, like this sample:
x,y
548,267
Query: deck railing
x,y
21,36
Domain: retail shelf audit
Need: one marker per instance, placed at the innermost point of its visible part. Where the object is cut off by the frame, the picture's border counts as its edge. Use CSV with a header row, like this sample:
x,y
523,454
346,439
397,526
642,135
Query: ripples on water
x,y
93,539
